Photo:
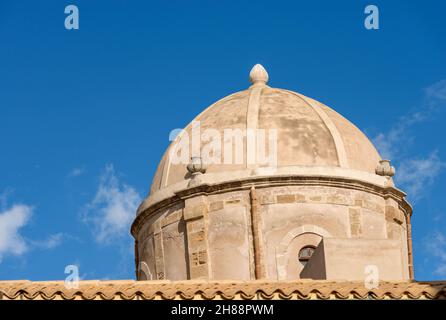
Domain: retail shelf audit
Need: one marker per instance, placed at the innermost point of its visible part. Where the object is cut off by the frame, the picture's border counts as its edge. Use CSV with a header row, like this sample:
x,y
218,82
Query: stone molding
x,y
270,182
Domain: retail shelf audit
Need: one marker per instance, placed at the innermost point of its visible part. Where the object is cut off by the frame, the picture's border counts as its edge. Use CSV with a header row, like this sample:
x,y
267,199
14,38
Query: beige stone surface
x,y
174,243
229,242
241,222
341,259
309,134
219,231
304,137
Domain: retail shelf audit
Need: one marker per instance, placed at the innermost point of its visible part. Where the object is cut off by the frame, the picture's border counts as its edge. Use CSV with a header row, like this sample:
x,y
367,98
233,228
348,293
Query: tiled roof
x,y
192,289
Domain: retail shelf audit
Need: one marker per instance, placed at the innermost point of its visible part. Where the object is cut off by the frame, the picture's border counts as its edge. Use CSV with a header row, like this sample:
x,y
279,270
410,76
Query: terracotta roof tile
x,y
302,289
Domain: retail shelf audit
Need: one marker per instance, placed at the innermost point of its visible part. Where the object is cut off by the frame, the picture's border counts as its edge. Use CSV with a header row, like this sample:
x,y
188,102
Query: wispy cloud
x,y
11,221
4,197
389,143
415,175
51,242
112,209
76,172
436,94
436,246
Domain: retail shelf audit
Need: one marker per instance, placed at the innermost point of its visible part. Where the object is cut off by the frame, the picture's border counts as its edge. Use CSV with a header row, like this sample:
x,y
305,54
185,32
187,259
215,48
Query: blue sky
x,y
85,114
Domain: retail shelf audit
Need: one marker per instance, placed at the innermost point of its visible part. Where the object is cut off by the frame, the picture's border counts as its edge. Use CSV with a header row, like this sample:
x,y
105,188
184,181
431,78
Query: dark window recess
x,y
305,254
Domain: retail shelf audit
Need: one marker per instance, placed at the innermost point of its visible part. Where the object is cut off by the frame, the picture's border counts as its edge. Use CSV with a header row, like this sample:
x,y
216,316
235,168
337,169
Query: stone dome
x,y
312,138
269,184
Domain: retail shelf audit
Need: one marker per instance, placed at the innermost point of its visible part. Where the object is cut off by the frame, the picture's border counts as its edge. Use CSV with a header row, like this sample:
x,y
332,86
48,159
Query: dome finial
x,y
258,75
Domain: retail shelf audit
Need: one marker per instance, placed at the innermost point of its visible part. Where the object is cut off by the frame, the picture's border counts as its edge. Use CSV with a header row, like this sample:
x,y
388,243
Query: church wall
x,y
280,220
147,260
336,212
210,236
228,244
174,245
363,259
396,229
404,251
293,266
373,224
229,236
146,248
162,243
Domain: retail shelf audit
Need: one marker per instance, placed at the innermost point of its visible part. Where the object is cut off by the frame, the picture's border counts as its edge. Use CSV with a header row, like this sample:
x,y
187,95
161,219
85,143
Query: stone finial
x,y
196,168
258,75
385,169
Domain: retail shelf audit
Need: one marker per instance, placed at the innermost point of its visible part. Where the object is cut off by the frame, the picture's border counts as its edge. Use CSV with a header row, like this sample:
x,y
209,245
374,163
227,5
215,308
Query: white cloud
x,y
389,143
51,242
385,142
414,175
4,198
11,220
76,172
436,246
113,208
436,93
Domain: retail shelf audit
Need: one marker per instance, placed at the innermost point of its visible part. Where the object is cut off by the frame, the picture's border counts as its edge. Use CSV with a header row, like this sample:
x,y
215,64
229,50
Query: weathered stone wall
x,y
359,260
161,246
229,230
210,236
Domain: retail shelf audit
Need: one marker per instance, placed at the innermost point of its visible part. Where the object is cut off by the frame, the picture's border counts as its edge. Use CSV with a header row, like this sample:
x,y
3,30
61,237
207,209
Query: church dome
x,y
267,183
311,139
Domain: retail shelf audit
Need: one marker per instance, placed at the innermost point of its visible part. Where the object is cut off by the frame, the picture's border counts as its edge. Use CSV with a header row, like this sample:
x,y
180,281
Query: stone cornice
x,y
272,181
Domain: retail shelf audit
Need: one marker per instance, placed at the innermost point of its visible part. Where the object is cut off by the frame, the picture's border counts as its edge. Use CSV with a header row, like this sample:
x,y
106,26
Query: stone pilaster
x,y
394,219
409,247
136,250
256,225
159,251
195,215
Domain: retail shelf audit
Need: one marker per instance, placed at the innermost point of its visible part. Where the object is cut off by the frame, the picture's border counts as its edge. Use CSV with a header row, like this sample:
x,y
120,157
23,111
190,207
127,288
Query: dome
x,y
267,183
311,137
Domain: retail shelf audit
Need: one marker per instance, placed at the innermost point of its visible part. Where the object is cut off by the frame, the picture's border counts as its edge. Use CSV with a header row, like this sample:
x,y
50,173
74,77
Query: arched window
x,y
305,254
